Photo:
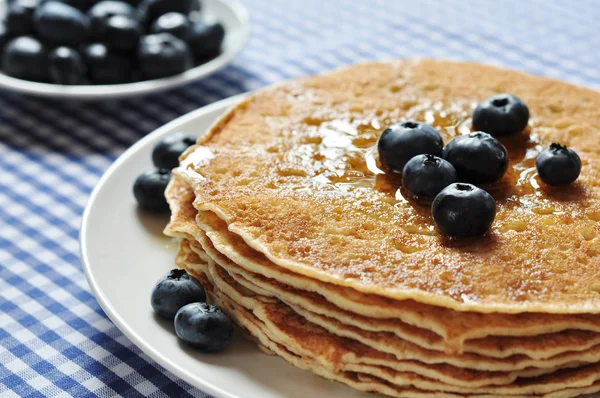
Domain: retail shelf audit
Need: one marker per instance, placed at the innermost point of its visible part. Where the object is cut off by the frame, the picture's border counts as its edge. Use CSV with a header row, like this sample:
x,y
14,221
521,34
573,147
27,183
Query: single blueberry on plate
x,y
426,175
500,115
175,290
558,165
151,10
58,24
122,33
174,23
166,153
463,211
149,190
105,66
402,141
204,326
205,40
477,157
19,17
162,55
102,11
66,66
26,58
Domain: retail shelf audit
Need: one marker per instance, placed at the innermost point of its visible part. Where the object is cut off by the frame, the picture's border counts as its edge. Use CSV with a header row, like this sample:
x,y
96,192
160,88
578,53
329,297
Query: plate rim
x,y
113,91
203,384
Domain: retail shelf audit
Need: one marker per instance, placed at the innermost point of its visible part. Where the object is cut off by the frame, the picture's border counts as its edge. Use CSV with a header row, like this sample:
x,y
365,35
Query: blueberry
x,y
105,66
82,5
122,33
151,10
175,290
205,40
500,115
558,165
174,23
477,157
166,153
102,11
402,141
204,326
149,190
66,66
58,23
463,211
4,36
26,58
162,55
19,17
426,175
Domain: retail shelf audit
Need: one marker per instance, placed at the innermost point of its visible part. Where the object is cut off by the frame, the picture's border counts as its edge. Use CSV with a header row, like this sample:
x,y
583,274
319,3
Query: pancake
x,y
359,380
455,327
542,343
405,349
285,325
288,171
285,214
536,347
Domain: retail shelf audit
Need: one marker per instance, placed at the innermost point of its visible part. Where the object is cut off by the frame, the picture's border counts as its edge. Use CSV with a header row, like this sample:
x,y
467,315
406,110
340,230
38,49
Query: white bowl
x,y
230,13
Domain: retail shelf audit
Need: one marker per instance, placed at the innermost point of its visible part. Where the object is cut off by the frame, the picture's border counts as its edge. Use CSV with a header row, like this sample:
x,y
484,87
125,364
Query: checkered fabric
x,y
55,341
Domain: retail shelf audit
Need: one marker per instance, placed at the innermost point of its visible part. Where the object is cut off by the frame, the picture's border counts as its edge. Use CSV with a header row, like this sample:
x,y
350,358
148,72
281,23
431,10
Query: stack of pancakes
x,y
284,213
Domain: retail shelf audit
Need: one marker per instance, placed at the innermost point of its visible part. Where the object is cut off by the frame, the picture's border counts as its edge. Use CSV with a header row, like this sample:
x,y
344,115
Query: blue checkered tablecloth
x,y
55,341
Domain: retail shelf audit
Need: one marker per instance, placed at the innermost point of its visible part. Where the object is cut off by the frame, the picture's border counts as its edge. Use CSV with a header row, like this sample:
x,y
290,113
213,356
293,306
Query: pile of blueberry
x,y
449,174
181,297
104,42
149,187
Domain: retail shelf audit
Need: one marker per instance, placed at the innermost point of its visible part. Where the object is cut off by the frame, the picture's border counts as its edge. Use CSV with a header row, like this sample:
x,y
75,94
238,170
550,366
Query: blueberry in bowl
x,y
22,58
122,33
176,289
106,66
162,55
82,5
205,40
66,66
151,10
57,23
19,17
103,11
177,24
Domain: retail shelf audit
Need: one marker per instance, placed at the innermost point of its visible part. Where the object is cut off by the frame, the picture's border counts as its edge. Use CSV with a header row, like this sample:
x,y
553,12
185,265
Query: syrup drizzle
x,y
350,158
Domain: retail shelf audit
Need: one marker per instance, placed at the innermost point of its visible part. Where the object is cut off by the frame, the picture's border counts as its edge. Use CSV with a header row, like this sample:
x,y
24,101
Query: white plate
x,y
124,253
230,13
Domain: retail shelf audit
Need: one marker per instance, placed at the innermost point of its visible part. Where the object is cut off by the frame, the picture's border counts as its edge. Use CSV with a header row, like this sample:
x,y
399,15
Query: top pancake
x,y
292,171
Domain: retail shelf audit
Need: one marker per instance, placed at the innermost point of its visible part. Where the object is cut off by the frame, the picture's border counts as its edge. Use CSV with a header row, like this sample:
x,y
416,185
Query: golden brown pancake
x,y
288,171
321,297
337,357
285,214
